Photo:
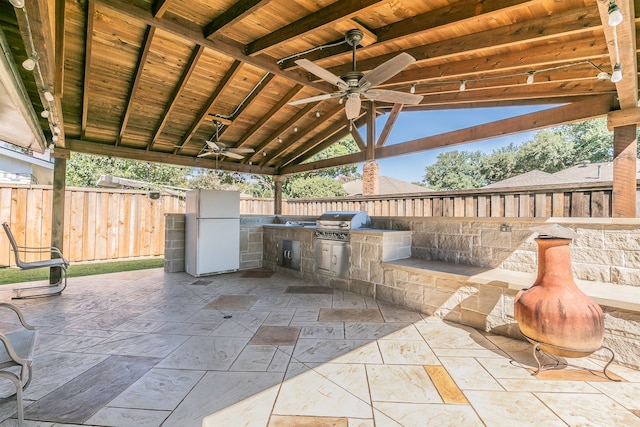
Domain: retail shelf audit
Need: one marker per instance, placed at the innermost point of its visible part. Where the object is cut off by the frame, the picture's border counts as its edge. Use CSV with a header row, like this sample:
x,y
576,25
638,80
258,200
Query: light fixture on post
x,y
56,129
617,73
17,3
413,88
54,138
45,114
295,129
279,140
530,77
615,16
463,85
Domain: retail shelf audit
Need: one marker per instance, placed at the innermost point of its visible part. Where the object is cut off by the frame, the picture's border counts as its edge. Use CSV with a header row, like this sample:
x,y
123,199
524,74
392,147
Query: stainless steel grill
x,y
332,240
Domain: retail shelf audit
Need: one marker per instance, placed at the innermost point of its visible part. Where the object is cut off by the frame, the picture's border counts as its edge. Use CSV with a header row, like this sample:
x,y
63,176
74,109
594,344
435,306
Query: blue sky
x,y
413,125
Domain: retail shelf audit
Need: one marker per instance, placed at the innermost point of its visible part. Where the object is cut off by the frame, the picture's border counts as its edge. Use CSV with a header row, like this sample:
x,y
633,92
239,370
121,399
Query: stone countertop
x,y
379,231
291,227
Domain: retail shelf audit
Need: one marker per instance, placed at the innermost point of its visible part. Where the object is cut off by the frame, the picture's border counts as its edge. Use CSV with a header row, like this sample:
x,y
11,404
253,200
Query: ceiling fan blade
x,y
386,70
206,153
316,98
325,75
213,145
241,150
393,96
232,154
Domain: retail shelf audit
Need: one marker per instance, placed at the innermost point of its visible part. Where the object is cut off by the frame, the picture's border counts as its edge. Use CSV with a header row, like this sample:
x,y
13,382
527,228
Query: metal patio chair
x,y
17,351
56,260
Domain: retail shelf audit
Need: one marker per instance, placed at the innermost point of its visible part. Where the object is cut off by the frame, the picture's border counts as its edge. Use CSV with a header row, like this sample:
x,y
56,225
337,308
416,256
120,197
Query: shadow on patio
x,y
146,348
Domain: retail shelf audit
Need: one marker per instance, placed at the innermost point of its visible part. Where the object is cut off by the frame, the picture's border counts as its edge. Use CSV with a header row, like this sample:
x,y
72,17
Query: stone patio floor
x,y
146,348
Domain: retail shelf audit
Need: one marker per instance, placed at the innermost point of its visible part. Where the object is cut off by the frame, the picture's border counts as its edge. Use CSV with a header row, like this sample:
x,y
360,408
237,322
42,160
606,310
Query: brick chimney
x,y
370,180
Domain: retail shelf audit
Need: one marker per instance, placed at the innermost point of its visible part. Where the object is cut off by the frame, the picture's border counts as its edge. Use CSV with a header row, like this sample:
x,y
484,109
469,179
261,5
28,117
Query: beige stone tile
x,y
469,374
300,421
466,352
414,414
355,422
537,385
350,315
339,391
588,409
233,302
398,383
501,367
627,394
372,331
345,351
407,352
327,331
447,388
499,408
453,336
275,335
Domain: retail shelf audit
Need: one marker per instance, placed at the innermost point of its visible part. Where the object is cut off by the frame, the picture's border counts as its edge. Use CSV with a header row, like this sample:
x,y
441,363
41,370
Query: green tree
x,y
500,164
83,170
455,170
316,186
549,151
591,140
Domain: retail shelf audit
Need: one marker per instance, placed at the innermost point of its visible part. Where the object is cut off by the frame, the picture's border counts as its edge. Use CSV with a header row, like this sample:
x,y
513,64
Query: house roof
x,y
387,185
147,79
589,172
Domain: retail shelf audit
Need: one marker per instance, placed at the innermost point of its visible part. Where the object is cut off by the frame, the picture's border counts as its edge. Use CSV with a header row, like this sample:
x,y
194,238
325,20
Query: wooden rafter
x,y
235,13
362,145
328,114
257,125
142,60
158,157
226,47
337,11
88,46
160,7
371,132
459,11
535,30
584,110
233,70
626,33
388,125
59,43
281,130
320,143
247,103
175,96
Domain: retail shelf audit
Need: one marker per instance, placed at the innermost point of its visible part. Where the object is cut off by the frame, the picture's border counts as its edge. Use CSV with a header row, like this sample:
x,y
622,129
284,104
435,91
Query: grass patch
x,y
15,275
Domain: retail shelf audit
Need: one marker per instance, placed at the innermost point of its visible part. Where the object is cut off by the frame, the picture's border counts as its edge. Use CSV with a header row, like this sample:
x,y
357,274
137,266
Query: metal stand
x,y
541,367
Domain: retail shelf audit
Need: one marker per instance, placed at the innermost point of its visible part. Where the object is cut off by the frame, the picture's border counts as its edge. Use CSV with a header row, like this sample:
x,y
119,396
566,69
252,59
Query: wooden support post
x,y
57,213
625,149
370,152
277,194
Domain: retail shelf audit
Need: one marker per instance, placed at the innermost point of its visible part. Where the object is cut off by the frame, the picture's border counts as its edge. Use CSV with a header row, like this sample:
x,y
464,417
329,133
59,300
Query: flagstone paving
x,y
148,348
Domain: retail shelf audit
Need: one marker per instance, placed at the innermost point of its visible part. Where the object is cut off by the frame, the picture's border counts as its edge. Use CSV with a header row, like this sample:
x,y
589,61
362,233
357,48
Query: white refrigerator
x,y
212,232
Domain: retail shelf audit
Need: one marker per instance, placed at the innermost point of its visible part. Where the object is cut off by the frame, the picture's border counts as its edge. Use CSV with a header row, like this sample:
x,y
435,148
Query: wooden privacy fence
x,y
584,200
99,224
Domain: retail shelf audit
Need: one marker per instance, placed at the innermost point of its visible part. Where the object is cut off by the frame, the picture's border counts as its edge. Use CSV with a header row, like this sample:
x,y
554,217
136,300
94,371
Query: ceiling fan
x,y
218,148
354,83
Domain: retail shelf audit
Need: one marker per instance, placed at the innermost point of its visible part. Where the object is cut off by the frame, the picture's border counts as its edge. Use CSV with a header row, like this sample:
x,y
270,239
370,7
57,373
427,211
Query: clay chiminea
x,y
554,311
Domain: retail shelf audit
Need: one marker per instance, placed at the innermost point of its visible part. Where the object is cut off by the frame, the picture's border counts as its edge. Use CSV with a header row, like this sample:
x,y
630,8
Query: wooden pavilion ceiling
x,y
146,79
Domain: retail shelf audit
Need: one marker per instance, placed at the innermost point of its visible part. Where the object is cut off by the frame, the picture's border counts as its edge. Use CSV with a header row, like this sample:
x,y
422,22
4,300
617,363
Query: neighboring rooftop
x,y
534,177
387,185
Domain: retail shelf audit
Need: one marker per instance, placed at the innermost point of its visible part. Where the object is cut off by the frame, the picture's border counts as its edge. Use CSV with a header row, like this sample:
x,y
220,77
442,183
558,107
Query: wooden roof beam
x,y
107,150
534,30
324,17
265,117
160,7
454,13
235,13
388,125
233,70
142,60
584,110
281,130
626,34
282,148
223,46
318,147
175,96
88,46
60,47
357,137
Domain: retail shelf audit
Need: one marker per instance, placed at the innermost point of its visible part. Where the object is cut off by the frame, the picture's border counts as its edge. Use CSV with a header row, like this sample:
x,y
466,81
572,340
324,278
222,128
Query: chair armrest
x,y
52,250
8,346
19,313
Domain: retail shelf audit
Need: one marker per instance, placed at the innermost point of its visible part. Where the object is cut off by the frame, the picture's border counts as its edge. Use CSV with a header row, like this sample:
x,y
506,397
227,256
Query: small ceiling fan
x,y
218,148
355,83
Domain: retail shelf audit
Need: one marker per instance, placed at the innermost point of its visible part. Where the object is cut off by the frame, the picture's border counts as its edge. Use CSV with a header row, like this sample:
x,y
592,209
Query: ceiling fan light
x,y
530,77
617,73
48,96
413,88
615,16
45,114
463,85
352,107
17,3
29,64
